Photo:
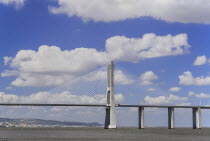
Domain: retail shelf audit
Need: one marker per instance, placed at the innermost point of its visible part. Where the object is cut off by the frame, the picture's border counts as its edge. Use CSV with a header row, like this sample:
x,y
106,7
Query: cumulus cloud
x,y
16,3
147,78
63,97
174,89
149,46
189,11
200,95
51,66
188,79
200,60
119,77
162,100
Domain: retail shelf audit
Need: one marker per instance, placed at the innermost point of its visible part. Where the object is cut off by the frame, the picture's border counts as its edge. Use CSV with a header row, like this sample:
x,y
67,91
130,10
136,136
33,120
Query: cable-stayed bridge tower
x,y
110,118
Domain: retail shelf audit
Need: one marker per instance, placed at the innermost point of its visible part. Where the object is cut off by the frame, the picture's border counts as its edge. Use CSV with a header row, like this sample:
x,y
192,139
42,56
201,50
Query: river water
x,y
100,134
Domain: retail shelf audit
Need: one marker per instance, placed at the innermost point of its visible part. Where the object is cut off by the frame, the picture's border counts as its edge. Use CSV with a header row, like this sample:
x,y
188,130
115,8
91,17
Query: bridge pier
x,y
141,117
170,118
107,118
110,119
196,117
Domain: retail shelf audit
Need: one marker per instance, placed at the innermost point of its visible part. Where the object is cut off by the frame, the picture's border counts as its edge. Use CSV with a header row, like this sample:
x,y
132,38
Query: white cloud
x,y
119,77
161,100
203,95
187,79
50,66
151,89
200,60
63,97
39,79
4,98
190,11
48,59
191,93
133,109
184,104
7,60
147,78
200,95
7,73
149,46
16,3
174,89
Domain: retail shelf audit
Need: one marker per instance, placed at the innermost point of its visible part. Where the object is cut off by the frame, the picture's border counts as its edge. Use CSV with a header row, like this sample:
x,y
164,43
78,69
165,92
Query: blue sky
x,y
29,24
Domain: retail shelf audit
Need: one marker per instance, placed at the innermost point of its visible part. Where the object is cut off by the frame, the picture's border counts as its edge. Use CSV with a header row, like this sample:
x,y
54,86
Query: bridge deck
x,y
36,104
163,106
102,105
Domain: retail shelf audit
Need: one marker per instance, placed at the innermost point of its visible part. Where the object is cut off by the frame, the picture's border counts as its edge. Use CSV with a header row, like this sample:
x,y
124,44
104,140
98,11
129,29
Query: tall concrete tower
x,y
110,119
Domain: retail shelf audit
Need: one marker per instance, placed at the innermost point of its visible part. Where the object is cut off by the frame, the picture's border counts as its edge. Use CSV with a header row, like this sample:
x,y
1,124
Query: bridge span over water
x,y
196,111
110,116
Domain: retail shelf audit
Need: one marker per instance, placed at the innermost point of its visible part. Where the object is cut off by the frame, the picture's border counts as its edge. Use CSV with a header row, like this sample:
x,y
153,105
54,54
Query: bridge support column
x,y
110,121
141,117
170,118
196,117
107,118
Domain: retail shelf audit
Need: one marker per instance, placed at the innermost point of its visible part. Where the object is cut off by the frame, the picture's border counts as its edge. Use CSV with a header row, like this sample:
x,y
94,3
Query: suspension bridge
x,y
110,105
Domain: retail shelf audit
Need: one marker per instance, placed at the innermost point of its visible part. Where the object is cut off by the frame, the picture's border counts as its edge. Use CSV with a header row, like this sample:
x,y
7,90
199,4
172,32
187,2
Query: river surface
x,y
100,134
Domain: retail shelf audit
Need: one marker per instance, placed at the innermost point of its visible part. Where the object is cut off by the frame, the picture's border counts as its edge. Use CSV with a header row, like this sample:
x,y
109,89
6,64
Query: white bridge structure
x,y
110,113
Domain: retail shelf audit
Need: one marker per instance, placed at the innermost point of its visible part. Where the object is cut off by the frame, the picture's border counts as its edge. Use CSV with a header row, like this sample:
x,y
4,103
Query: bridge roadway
x,y
102,105
39,104
162,106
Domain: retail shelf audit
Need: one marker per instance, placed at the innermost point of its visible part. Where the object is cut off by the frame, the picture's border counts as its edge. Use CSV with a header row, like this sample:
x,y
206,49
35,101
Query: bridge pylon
x,y
110,118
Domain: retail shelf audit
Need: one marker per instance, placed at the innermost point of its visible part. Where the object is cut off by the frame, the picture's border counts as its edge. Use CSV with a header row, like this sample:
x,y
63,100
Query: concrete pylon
x,y
110,119
170,117
196,113
141,117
